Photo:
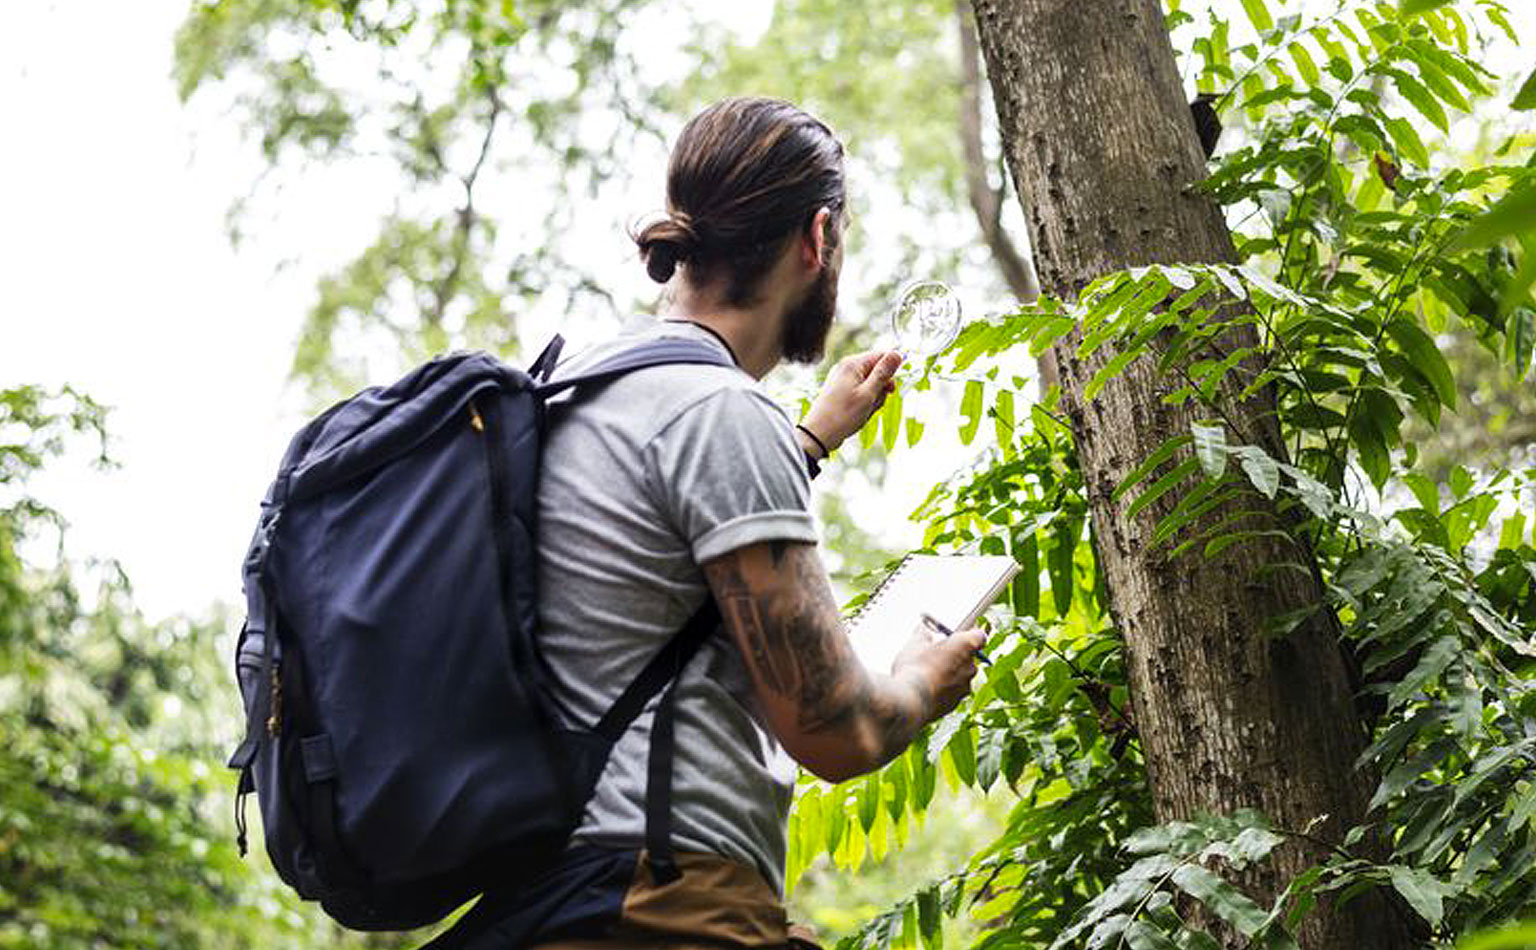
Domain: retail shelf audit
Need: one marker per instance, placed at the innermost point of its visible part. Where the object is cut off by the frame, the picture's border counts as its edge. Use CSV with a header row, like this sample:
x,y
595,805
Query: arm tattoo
x,y
795,644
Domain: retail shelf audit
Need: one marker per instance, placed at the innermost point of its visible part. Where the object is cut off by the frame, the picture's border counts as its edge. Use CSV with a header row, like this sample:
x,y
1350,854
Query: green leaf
x,y
1026,584
1110,370
914,431
1162,454
1513,214
1418,7
1520,338
1162,486
896,775
1525,99
1197,940
1438,82
1059,564
1518,290
1461,481
924,777
868,797
1258,14
1521,937
1262,471
1420,98
1313,493
1143,936
1192,507
1221,898
1425,490
1423,892
1002,416
1210,447
890,422
1372,190
1426,357
836,821
1407,140
970,408
989,757
1304,63
1371,447
929,919
962,754
1512,533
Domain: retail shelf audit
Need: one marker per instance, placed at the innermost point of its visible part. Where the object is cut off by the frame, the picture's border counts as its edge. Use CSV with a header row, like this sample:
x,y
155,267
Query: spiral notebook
x,y
954,588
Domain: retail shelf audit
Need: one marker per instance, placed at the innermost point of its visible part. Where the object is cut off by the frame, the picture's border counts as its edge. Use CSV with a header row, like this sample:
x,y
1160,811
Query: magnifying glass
x,y
925,319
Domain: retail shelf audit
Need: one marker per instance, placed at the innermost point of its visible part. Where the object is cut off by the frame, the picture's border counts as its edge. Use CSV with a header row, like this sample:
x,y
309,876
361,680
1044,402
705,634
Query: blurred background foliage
x,y
504,122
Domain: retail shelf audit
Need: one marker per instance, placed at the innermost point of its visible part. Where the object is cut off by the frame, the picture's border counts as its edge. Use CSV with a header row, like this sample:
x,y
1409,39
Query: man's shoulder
x,y
667,393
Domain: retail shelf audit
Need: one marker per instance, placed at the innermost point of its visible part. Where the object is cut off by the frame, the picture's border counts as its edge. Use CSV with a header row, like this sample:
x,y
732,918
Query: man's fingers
x,y
882,370
968,641
864,363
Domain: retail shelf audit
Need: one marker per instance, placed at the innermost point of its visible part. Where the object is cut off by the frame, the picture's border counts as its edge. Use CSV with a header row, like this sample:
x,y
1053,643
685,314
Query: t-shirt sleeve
x,y
729,472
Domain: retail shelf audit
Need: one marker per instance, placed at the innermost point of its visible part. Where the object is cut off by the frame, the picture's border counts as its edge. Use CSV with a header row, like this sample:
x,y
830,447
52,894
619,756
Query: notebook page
x,y
954,588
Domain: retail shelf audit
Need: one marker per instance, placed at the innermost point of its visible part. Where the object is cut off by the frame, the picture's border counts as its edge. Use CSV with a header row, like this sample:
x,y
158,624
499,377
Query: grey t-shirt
x,y
641,482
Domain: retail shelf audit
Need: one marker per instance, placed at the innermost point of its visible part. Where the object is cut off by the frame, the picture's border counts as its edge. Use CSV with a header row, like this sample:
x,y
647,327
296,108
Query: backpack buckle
x,y
257,558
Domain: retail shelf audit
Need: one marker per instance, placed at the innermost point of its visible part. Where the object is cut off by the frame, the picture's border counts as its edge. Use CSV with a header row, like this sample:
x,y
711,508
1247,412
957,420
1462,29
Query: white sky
x,y
116,276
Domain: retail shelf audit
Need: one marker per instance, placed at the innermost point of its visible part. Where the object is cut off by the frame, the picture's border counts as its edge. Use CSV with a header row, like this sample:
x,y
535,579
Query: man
x,y
677,483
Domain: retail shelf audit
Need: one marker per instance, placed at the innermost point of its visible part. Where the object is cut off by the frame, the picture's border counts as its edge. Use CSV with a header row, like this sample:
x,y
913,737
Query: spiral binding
x,y
880,588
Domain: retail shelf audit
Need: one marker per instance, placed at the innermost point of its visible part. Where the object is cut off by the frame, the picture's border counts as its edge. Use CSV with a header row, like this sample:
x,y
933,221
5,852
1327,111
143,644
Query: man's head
x,y
751,179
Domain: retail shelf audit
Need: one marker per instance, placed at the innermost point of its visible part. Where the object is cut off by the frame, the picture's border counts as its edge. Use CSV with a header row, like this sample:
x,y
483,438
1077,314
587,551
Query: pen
x,y
939,626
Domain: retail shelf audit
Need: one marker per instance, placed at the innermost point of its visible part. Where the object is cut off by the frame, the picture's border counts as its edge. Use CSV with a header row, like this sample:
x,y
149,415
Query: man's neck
x,y
752,333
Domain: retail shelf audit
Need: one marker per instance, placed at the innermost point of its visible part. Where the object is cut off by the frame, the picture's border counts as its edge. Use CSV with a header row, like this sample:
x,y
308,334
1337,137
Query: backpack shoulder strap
x,y
660,671
652,353
664,670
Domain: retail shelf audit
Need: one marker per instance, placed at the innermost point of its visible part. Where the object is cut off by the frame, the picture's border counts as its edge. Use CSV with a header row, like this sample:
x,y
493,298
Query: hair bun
x,y
666,242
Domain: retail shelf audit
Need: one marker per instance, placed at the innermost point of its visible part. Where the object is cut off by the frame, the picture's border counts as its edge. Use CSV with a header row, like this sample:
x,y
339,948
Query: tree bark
x,y
1101,146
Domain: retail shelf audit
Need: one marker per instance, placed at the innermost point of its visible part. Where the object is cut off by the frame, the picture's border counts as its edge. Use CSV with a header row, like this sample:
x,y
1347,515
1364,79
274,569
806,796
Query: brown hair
x,y
744,175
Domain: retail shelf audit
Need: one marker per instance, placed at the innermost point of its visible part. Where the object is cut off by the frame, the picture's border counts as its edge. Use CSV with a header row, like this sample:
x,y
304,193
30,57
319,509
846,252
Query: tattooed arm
x,y
835,717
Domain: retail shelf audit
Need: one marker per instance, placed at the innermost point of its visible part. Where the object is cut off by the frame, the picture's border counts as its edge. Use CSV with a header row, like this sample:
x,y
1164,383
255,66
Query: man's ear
x,y
816,248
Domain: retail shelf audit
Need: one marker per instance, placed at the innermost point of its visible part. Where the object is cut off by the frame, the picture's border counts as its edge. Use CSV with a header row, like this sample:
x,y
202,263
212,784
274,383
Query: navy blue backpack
x,y
399,734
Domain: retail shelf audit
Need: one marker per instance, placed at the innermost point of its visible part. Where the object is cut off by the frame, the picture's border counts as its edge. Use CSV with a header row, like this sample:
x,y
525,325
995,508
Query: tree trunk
x,y
1102,148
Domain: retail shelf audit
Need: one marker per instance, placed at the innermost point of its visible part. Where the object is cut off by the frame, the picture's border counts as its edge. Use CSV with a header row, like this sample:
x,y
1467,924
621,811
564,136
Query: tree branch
x,y
444,291
1017,269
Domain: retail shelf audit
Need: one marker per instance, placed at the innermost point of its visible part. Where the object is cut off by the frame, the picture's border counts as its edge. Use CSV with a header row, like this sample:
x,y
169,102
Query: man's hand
x,y
945,664
856,387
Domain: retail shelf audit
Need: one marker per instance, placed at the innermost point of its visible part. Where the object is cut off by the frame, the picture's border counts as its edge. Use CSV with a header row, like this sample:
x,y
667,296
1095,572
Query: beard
x,y
806,326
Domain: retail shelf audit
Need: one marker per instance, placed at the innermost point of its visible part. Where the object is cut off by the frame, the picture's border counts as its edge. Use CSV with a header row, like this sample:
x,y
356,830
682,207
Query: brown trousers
x,y
717,904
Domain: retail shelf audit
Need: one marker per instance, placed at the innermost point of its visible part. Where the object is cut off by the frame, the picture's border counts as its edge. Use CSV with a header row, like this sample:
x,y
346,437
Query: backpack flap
x,y
380,424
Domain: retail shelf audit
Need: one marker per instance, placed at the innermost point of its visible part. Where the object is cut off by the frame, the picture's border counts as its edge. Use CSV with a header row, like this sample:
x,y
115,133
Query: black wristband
x,y
826,453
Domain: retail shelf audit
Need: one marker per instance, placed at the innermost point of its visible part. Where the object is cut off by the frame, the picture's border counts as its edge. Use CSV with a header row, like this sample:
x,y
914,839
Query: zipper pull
x,y
275,720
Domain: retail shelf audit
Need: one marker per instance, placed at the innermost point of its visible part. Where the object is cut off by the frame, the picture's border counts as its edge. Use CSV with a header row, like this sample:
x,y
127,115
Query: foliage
x,y
115,827
897,114
1358,249
498,118
447,94
1366,244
